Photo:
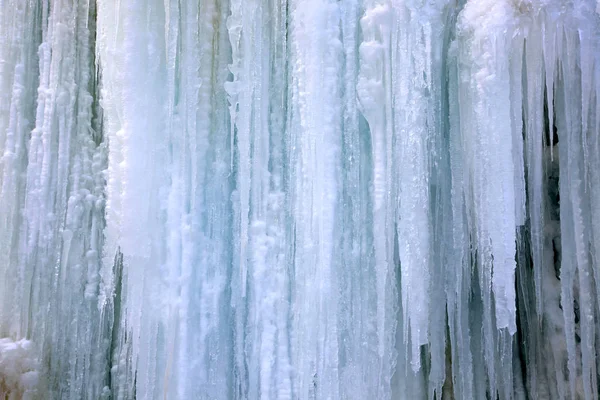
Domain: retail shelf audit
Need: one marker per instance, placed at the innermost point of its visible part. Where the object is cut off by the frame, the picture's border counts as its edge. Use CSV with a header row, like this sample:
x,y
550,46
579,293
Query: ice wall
x,y
299,199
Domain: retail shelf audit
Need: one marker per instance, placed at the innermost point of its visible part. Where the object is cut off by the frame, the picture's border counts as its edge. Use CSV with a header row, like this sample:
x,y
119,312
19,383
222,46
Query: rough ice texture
x,y
299,199
19,370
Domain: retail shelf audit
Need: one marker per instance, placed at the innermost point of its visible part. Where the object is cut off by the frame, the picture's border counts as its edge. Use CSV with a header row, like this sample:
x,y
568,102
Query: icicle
x,y
573,162
549,52
261,321
374,92
534,142
316,139
410,128
568,265
516,118
459,268
51,181
18,71
491,177
495,209
139,186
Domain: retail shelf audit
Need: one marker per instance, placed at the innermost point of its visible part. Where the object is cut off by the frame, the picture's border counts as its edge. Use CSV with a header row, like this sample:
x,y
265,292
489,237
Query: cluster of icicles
x,y
299,199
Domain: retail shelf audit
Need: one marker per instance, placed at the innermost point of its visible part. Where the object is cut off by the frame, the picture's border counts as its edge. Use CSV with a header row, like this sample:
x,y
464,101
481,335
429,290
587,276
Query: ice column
x,y
52,192
260,278
374,91
316,57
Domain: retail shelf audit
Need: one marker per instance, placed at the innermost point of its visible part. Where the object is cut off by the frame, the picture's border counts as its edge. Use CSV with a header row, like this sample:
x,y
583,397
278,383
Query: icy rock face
x,y
299,199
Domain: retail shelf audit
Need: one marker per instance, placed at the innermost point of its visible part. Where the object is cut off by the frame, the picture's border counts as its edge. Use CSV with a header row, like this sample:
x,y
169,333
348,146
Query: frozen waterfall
x,y
299,199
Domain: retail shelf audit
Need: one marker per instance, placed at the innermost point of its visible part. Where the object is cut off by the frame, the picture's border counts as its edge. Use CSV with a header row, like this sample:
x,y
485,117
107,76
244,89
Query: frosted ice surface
x,y
299,199
19,369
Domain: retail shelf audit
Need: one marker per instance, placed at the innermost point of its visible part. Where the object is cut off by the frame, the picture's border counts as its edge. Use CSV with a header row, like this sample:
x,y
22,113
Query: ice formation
x,y
19,375
299,199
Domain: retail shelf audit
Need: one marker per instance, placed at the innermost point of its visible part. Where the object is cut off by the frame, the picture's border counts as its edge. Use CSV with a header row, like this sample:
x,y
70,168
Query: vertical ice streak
x,y
18,80
137,191
359,356
533,117
206,175
281,199
185,256
52,186
412,137
418,128
489,161
576,223
316,135
493,203
593,171
145,193
374,90
459,262
568,264
257,109
516,119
